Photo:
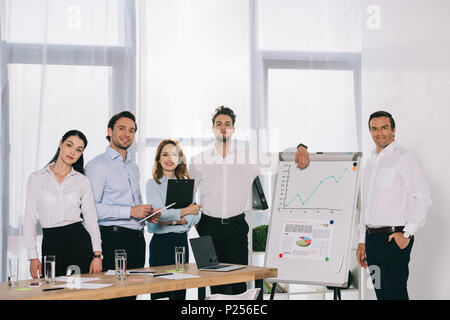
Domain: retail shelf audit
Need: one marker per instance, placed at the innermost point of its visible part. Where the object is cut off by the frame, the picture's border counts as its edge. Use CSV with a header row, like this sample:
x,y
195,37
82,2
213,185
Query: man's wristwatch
x,y
174,222
407,235
99,256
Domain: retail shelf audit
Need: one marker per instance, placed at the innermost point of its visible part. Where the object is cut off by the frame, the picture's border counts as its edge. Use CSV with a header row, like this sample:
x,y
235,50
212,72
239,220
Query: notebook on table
x,y
206,257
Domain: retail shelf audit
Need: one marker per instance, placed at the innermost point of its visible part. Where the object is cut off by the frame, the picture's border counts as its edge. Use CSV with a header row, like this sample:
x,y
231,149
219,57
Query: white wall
x,y
406,71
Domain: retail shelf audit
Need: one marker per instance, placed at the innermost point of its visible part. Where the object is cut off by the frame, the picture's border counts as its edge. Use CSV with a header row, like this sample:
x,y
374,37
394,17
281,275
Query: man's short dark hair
x,y
379,114
123,114
226,111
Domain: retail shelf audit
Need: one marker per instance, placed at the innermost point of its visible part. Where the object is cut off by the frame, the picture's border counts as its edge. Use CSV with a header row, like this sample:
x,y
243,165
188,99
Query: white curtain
x,y
71,65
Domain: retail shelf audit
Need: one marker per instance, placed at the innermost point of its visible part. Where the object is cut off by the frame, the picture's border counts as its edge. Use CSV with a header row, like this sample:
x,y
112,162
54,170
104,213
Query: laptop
x,y
206,257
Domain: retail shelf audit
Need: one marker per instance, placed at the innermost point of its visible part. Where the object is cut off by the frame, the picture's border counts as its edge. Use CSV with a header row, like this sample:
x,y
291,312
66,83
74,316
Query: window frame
x,y
122,60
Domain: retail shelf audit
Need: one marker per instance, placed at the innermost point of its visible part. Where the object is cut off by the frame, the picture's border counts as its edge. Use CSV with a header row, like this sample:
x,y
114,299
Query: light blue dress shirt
x,y
156,196
116,189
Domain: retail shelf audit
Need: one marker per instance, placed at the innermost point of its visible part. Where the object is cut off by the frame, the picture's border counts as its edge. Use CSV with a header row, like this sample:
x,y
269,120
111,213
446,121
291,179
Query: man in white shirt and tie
x,y
224,174
395,202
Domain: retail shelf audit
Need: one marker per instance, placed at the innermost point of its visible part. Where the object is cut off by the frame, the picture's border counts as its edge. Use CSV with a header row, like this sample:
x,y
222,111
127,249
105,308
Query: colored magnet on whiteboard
x,y
332,222
281,255
327,259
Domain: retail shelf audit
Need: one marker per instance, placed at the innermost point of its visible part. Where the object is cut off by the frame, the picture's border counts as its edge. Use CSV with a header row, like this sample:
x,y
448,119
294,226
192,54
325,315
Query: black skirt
x,y
71,245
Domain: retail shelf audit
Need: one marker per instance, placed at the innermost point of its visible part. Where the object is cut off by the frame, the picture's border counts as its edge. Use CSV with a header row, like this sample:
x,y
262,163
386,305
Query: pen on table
x,y
162,274
142,272
52,289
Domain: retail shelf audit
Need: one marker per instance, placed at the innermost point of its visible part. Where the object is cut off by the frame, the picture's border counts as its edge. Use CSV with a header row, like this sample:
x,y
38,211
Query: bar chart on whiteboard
x,y
321,188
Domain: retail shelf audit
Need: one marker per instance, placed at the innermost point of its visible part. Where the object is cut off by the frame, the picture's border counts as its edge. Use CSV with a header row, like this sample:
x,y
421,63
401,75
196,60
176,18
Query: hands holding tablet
x,y
144,210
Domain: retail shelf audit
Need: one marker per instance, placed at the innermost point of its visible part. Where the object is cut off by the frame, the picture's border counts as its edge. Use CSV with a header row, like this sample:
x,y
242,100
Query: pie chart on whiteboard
x,y
303,242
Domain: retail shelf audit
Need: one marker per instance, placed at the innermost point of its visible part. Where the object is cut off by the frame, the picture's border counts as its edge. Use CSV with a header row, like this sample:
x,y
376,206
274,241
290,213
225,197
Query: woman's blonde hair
x,y
181,171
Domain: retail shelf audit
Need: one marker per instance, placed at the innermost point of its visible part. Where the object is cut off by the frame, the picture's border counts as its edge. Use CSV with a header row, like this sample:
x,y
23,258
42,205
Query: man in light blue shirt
x,y
115,182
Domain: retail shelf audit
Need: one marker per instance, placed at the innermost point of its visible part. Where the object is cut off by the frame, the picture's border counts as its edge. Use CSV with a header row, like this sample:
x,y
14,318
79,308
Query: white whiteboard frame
x,y
329,156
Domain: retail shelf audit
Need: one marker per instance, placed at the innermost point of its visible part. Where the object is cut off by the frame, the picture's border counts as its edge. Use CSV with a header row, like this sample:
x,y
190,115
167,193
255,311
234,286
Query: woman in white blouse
x,y
60,195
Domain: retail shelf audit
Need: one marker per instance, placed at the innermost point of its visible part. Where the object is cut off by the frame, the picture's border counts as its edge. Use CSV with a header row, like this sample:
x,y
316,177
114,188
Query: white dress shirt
x,y
59,205
224,184
394,191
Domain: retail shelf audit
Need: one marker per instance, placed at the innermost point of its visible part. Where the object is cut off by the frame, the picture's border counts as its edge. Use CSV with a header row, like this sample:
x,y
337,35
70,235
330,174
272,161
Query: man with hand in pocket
x,y
395,202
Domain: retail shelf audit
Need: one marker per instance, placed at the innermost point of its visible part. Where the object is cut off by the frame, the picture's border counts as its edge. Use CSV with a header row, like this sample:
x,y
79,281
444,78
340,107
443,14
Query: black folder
x,y
258,198
181,192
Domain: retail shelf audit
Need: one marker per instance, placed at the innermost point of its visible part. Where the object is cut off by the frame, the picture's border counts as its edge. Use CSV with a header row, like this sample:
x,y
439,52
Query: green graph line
x,y
336,180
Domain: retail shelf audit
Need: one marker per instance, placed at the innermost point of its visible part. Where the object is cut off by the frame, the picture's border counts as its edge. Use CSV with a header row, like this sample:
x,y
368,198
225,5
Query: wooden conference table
x,y
139,284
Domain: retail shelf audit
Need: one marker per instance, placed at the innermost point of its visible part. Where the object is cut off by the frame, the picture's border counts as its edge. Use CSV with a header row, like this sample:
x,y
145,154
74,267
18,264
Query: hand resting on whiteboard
x,y
302,158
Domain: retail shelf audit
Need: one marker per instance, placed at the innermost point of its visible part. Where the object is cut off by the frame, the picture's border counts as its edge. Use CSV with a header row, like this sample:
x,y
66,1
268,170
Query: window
x,y
198,60
71,65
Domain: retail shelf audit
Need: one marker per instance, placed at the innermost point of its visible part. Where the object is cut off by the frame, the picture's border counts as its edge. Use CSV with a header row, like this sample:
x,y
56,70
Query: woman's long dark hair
x,y
79,165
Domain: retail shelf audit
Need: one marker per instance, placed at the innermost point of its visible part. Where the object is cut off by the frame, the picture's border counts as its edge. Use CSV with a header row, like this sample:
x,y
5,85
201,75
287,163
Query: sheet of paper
x,y
178,276
306,239
83,285
75,279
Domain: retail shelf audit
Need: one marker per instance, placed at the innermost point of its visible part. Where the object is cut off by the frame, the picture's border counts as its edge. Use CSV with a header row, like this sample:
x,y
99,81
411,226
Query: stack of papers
x,y
75,282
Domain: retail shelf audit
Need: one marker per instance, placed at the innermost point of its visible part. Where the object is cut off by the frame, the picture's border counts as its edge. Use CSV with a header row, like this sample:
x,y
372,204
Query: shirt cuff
x,y
124,213
97,247
170,215
33,255
410,228
362,238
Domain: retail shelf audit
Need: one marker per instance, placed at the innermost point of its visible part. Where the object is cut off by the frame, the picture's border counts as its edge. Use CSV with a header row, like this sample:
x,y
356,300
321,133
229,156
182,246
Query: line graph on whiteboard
x,y
318,189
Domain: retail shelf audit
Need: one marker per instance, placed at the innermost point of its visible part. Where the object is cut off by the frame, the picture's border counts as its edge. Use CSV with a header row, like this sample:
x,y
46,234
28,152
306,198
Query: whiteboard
x,y
312,219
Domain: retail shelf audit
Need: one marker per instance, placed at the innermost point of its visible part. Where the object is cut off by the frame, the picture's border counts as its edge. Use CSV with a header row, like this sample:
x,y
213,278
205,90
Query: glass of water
x,y
13,272
179,259
120,257
49,269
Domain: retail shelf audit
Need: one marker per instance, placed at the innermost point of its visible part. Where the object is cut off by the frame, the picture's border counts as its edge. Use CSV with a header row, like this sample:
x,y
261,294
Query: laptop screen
x,y
204,252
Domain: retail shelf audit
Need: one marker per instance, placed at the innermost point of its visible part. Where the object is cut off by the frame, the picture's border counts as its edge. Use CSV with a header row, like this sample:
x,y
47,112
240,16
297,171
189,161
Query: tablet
x,y
181,192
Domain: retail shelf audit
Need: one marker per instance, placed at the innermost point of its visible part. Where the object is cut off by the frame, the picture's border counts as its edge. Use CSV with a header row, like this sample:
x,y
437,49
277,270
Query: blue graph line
x,y
336,180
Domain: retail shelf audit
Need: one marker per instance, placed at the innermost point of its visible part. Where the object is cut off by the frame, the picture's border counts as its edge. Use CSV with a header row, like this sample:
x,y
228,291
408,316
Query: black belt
x,y
224,221
384,230
132,232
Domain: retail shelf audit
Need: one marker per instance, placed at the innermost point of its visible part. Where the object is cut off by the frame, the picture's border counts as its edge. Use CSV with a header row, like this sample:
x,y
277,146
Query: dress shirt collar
x,y
48,170
230,152
165,178
386,151
114,154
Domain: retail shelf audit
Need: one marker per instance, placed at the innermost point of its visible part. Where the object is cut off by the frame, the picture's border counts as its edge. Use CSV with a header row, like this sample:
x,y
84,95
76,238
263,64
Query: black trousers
x,y
71,245
388,265
231,244
162,253
132,241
